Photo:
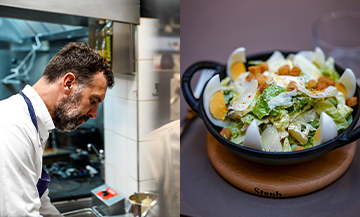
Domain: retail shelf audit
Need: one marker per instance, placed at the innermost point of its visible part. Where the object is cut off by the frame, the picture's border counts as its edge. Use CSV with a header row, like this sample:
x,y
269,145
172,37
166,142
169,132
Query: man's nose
x,y
93,113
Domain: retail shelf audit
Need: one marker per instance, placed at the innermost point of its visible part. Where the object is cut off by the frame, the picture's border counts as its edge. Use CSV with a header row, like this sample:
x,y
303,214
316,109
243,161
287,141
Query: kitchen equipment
x,y
137,197
79,158
85,212
79,138
107,200
138,209
279,181
101,158
276,158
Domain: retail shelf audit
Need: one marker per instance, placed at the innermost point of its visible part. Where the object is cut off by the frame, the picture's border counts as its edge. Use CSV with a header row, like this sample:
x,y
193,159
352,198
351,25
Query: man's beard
x,y
67,114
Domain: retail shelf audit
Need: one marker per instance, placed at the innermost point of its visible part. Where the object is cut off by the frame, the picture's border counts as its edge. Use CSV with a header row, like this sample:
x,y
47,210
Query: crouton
x,y
352,101
264,66
312,84
292,85
328,81
225,133
263,87
295,71
284,70
321,84
299,148
249,77
255,69
261,79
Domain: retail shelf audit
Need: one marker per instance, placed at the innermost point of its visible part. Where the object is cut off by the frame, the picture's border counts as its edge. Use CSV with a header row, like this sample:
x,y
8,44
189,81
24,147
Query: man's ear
x,y
68,83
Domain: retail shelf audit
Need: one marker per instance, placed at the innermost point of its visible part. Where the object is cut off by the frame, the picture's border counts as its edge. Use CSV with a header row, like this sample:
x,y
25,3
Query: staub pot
x,y
275,158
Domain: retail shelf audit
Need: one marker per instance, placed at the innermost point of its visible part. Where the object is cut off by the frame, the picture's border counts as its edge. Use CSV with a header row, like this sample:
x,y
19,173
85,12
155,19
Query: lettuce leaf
x,y
281,122
237,136
261,108
328,69
339,114
249,117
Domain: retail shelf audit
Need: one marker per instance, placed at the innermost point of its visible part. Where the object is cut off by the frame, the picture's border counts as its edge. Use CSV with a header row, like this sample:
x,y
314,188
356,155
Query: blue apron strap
x,y
31,110
43,182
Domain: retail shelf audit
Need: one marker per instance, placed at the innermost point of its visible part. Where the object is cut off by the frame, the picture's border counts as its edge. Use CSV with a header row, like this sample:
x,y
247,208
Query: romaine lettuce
x,y
261,108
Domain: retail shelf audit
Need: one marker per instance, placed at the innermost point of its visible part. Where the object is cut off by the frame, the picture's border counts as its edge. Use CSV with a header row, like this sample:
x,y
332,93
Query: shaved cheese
x,y
283,99
245,97
329,91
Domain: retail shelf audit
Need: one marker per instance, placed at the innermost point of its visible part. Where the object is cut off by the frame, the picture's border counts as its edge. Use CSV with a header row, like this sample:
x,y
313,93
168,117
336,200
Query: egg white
x,y
238,55
348,79
327,133
211,88
252,137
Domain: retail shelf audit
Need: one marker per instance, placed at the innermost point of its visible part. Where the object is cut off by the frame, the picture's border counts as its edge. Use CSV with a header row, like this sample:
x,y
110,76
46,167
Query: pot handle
x,y
349,138
186,82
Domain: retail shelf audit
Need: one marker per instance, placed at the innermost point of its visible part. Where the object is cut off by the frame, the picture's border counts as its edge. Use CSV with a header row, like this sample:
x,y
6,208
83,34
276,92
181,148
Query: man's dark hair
x,y
80,59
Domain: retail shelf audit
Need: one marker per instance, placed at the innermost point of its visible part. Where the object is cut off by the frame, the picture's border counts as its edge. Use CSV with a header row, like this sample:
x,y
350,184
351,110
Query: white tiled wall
x,y
130,101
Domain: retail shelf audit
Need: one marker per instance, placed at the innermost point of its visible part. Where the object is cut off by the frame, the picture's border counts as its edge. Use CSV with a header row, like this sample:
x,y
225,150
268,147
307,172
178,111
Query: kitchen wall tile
x,y
148,185
109,112
132,86
120,182
131,120
109,175
147,161
132,163
119,116
119,89
108,140
147,38
131,187
150,118
148,81
120,153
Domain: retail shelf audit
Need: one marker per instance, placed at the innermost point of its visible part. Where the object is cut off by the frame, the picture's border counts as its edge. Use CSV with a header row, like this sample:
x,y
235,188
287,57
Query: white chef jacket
x,y
165,166
21,150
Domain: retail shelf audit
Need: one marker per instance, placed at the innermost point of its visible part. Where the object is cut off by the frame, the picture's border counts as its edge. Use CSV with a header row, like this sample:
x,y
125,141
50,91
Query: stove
x,y
70,181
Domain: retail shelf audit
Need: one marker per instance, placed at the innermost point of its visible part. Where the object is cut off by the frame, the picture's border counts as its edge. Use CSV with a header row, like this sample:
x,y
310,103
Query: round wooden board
x,y
279,181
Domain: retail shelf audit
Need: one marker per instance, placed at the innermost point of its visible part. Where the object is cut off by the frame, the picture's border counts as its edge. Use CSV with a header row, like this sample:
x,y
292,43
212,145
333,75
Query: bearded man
x,y
74,83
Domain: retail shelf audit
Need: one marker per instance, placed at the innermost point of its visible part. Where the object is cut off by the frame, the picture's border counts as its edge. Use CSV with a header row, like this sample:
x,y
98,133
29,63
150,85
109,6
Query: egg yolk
x,y
217,105
316,136
236,69
341,88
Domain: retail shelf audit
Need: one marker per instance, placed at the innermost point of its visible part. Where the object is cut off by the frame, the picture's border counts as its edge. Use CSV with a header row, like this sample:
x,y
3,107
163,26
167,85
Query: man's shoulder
x,y
12,109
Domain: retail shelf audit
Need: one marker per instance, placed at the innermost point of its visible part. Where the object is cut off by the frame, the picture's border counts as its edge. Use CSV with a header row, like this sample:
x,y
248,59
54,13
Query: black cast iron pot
x,y
275,158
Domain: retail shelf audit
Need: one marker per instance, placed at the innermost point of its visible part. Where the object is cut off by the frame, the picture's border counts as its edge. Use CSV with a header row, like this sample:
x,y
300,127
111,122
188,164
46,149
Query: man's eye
x,y
92,102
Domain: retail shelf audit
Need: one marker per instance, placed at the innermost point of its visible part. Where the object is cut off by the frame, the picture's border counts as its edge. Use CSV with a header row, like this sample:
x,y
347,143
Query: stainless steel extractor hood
x,y
18,31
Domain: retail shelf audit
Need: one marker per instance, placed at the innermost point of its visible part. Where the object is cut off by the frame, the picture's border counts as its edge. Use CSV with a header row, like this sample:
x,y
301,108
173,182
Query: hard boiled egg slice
x,y
347,83
252,137
326,131
214,102
235,63
319,57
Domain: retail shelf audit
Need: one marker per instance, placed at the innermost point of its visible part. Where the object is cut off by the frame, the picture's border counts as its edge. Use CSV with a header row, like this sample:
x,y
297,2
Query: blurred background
x,y
212,29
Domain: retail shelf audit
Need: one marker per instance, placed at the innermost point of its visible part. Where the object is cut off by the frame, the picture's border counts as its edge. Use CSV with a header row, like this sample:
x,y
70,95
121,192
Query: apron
x,y
43,182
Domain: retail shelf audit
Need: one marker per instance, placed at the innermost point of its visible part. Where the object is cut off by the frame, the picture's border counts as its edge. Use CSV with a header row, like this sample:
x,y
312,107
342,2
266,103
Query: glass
x,y
338,35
